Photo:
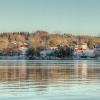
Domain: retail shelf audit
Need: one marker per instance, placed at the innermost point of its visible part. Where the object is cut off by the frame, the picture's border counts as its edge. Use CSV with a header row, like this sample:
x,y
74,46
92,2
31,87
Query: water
x,y
49,80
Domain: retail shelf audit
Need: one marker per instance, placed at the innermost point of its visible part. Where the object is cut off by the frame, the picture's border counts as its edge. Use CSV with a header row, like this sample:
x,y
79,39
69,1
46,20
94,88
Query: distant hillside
x,y
44,39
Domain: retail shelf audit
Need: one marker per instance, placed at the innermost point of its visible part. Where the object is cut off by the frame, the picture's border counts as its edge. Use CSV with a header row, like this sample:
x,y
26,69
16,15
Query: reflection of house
x,y
81,69
52,72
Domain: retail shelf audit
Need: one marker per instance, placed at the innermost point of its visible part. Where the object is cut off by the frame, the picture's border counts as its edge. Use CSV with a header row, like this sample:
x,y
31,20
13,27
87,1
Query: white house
x,y
86,53
48,51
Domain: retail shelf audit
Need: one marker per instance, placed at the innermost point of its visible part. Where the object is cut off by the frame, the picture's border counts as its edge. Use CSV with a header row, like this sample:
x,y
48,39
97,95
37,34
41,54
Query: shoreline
x,y
23,57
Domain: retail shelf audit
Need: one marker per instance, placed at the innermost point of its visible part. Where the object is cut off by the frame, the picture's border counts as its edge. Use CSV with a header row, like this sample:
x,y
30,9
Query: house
x,y
84,54
82,50
23,48
81,47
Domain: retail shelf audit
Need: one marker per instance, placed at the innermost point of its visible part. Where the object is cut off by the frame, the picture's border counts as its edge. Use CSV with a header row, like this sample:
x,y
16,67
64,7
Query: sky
x,y
70,16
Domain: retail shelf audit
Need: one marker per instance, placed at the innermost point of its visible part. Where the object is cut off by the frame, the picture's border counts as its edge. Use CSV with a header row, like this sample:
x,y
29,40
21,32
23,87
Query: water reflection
x,y
40,72
31,77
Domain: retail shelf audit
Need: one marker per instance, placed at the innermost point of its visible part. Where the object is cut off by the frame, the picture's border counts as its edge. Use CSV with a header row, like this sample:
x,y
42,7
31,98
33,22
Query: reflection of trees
x,y
48,72
12,74
42,75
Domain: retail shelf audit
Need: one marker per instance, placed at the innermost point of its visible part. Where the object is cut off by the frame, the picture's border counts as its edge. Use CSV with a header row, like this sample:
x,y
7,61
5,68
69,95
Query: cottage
x,y
23,48
80,47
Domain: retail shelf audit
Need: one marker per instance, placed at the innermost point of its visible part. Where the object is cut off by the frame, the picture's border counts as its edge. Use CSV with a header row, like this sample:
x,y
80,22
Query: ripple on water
x,y
56,80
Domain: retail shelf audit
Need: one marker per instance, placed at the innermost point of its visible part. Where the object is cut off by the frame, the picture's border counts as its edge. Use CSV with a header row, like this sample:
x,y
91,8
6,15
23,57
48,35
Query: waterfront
x,y
49,80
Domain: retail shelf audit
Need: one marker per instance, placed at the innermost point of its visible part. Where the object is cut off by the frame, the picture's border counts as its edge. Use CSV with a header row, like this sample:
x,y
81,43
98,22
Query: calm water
x,y
49,80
